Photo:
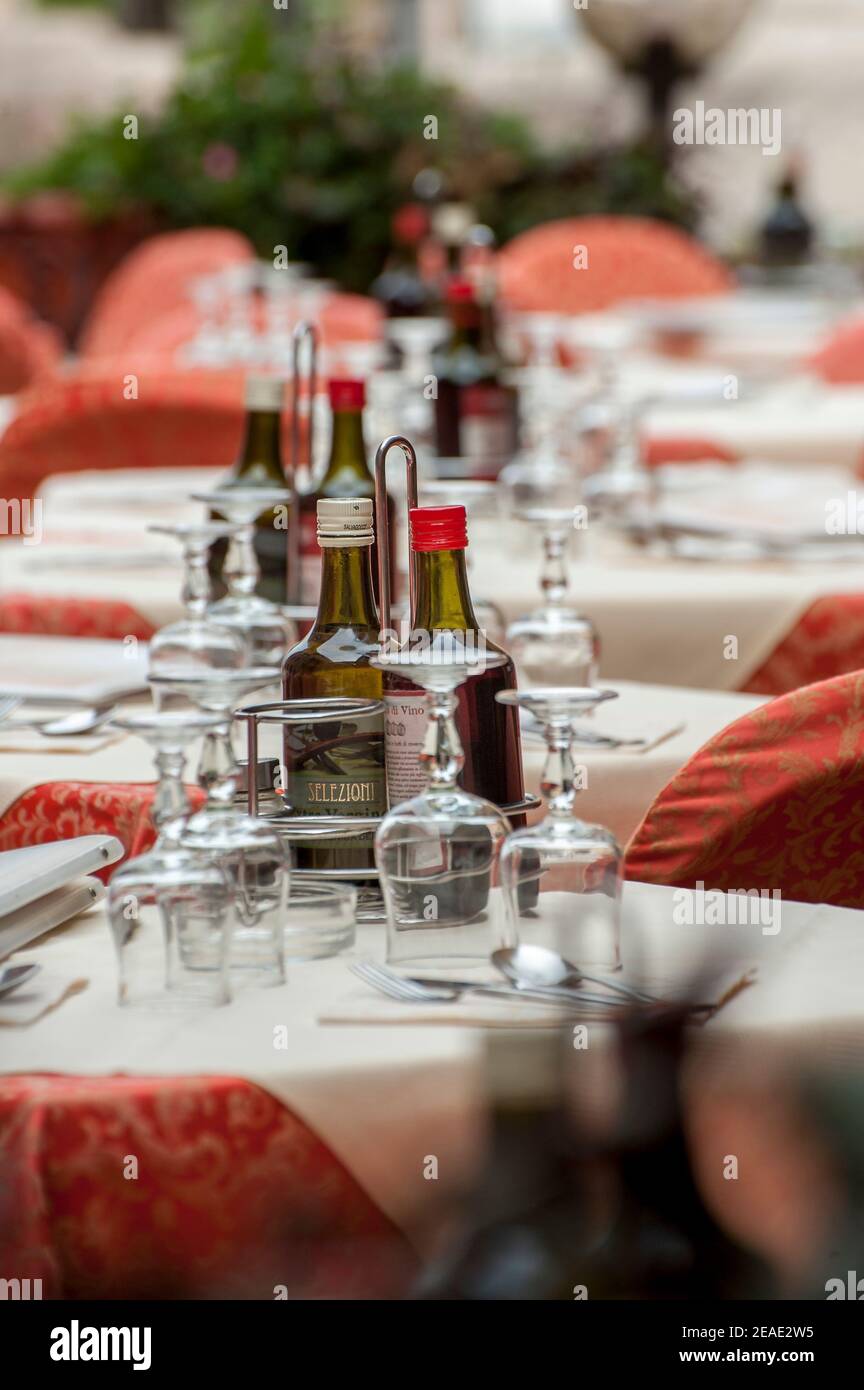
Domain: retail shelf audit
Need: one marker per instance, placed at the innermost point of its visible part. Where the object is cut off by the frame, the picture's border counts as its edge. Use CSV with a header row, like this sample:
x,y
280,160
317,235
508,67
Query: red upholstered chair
x,y
774,801
122,415
153,280
657,451
28,349
626,258
343,318
840,360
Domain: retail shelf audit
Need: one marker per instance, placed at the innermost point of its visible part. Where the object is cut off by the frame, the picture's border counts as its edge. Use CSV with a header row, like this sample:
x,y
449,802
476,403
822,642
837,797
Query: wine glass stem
x,y
558,783
553,580
241,570
196,582
442,754
217,771
170,803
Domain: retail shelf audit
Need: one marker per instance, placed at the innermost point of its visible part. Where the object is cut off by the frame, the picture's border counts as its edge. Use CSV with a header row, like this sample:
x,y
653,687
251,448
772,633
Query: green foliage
x,y
275,131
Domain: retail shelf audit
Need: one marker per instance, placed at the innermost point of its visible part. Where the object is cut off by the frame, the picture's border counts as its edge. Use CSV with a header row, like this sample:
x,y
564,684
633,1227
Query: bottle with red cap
x,y
476,412
347,475
442,608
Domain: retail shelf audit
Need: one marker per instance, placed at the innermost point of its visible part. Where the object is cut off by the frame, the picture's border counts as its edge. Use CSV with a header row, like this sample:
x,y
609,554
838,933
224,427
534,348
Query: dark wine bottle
x,y
347,476
260,465
489,732
787,234
336,767
559,1214
476,413
400,288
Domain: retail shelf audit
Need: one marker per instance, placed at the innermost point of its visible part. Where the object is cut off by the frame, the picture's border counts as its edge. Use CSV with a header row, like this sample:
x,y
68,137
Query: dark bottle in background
x,y
336,767
401,289
787,235
476,412
260,465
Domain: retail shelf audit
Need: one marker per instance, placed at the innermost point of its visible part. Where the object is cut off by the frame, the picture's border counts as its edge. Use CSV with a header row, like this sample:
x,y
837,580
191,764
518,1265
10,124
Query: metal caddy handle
x,y
304,331
382,521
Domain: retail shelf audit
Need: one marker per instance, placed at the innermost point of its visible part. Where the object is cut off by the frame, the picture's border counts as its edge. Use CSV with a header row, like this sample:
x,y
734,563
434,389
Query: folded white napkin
x,y
648,735
41,994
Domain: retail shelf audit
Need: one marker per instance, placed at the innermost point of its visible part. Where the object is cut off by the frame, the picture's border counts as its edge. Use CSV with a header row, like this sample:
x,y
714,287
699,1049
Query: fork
x,y
412,992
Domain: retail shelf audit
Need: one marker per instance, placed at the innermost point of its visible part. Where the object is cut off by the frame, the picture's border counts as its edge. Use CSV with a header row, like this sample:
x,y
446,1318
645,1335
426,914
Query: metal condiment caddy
x,y
304,829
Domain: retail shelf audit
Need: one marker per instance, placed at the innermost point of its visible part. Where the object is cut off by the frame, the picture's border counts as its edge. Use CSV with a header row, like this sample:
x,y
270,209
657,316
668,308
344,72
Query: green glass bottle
x,y
347,475
260,465
336,767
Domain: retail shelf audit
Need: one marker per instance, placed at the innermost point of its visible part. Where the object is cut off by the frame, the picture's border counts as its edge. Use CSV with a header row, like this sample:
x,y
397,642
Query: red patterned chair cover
x,y
153,280
28,349
657,451
93,420
343,318
827,641
840,361
774,801
48,615
627,258
62,810
233,1195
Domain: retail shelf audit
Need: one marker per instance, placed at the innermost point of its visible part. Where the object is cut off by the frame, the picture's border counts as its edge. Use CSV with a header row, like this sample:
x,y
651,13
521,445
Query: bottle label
x,y
310,559
487,427
405,731
336,769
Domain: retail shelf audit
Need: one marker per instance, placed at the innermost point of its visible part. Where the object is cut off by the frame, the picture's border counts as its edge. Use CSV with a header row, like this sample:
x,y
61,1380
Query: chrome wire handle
x,y
382,522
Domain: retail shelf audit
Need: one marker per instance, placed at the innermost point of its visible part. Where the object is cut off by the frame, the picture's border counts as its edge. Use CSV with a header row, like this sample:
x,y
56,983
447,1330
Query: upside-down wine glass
x,y
437,854
576,866
164,902
268,632
554,642
197,640
254,858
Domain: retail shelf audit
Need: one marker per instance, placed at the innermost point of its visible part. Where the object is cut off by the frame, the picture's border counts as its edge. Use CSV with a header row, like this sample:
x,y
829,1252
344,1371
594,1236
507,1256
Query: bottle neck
x,y
347,449
347,598
262,445
442,597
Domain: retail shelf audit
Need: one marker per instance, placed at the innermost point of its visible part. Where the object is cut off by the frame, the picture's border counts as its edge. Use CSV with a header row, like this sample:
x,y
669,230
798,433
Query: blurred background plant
x,y
276,129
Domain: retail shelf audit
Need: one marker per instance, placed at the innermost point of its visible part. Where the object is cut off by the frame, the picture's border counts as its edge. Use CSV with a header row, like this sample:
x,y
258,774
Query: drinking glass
x,y
167,899
437,854
268,632
554,642
254,858
320,919
197,640
576,867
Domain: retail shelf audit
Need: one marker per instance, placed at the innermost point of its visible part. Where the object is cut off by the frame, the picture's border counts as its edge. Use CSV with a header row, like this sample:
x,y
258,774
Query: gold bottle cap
x,y
345,521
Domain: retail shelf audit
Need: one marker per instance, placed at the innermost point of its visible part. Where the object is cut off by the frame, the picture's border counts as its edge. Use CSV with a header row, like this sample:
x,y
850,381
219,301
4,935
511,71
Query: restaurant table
x,y
36,800
379,1095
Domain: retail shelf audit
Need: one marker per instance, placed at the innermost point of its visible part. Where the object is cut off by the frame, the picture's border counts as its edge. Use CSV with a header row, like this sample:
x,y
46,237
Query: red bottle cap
x,y
461,292
438,528
346,394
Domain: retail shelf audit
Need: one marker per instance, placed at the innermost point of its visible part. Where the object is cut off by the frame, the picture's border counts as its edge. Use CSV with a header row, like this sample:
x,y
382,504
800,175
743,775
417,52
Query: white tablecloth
x,y
619,788
383,1098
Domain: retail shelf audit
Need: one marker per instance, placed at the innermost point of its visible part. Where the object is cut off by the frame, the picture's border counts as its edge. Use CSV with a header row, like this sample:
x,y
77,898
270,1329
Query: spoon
x,y
15,975
80,722
533,966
